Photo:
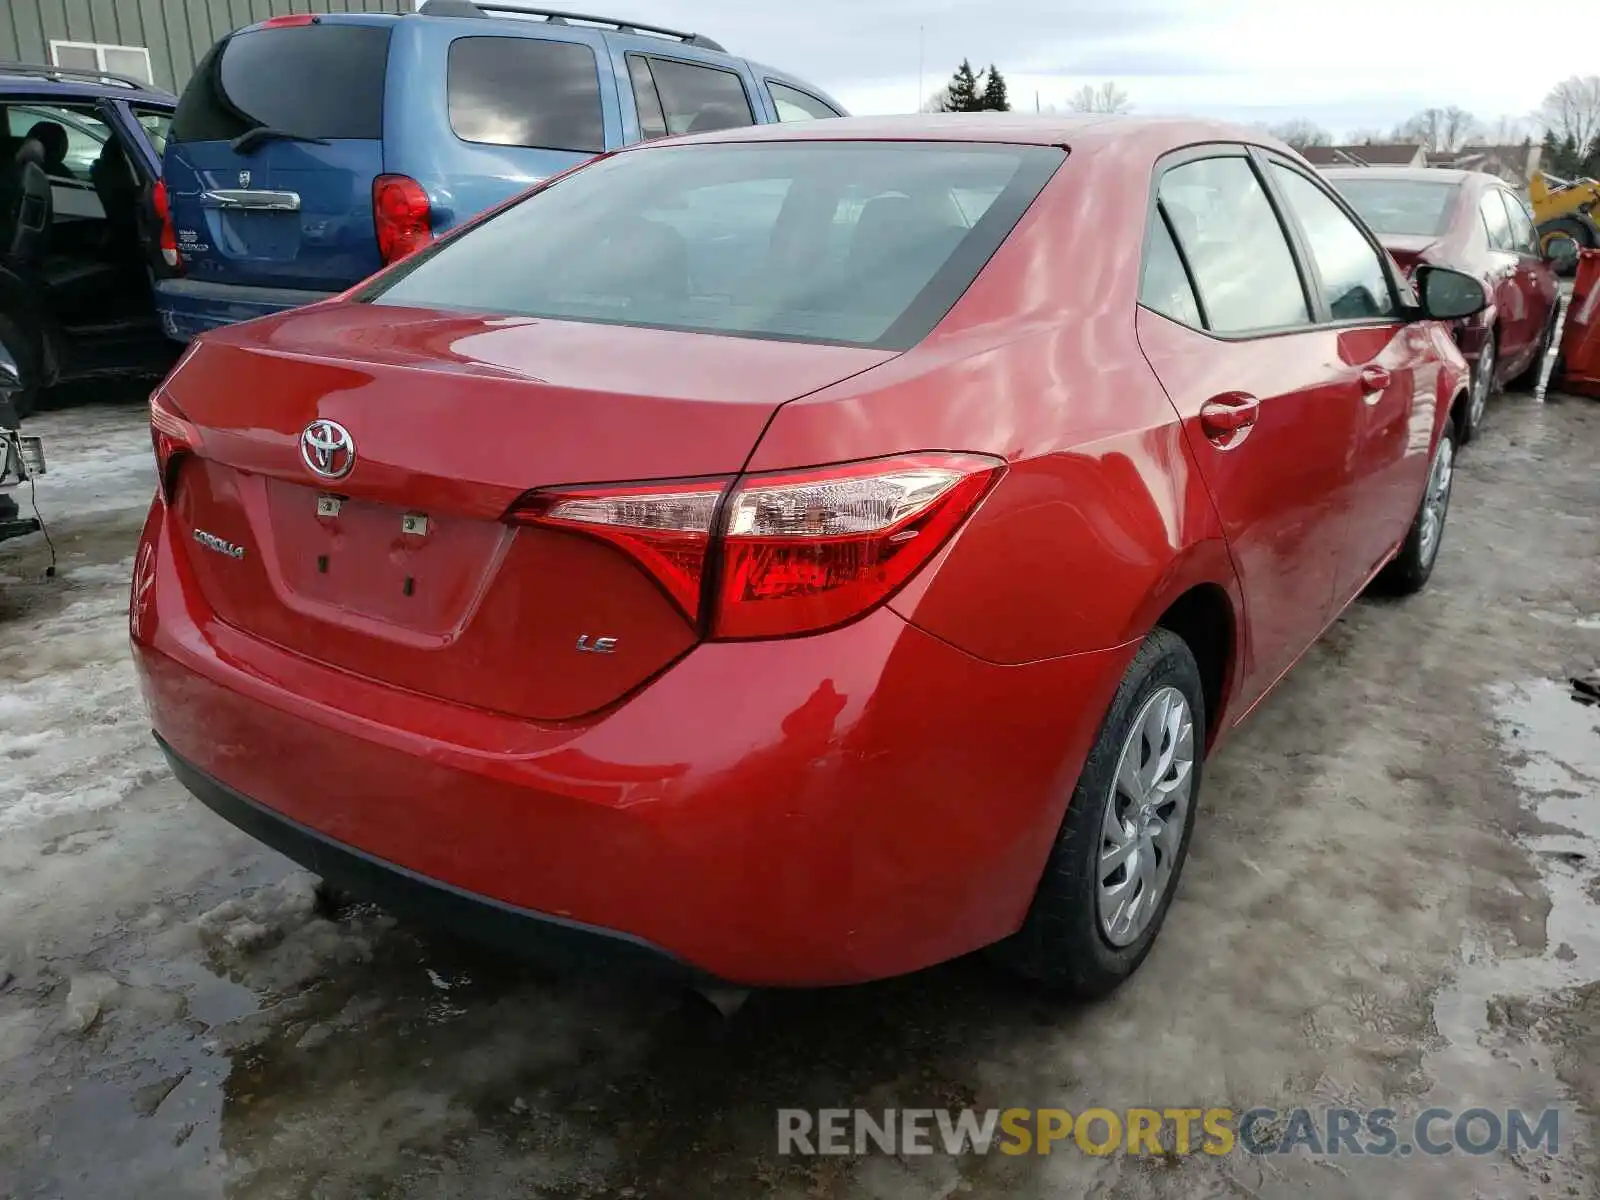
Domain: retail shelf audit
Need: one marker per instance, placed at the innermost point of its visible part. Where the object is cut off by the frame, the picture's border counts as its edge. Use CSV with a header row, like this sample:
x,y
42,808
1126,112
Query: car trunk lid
x,y
403,570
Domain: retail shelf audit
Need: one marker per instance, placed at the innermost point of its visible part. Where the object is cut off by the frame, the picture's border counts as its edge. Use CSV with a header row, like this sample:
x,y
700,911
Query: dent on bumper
x,y
819,810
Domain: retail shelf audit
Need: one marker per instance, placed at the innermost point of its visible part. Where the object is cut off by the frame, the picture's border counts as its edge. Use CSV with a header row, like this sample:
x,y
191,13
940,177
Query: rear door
x,y
1511,306
271,157
1386,369
678,91
1536,282
1266,401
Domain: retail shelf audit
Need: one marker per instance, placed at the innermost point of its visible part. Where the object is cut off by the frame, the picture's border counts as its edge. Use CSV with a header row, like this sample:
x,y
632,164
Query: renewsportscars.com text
x,y
1382,1132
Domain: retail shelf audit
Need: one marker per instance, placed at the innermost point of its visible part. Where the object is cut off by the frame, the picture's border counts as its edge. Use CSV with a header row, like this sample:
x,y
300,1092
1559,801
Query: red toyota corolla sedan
x,y
1474,223
796,555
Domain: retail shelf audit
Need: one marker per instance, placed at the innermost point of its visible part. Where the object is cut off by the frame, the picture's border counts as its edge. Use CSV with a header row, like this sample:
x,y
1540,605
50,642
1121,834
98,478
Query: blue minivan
x,y
310,150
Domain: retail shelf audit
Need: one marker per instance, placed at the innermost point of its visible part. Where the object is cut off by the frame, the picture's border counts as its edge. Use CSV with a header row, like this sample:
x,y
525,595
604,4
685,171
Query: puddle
x,y
1551,743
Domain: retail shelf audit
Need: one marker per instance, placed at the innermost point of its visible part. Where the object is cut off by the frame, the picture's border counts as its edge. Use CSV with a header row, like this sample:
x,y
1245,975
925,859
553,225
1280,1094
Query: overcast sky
x,y
1348,65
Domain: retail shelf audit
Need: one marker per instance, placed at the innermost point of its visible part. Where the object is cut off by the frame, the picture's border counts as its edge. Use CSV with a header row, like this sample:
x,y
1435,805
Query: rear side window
x,y
1355,283
689,98
794,105
525,92
853,243
1235,246
1522,235
1165,286
1495,222
314,81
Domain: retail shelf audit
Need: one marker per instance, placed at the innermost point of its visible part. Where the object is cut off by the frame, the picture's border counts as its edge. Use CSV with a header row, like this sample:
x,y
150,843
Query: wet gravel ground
x,y
1392,900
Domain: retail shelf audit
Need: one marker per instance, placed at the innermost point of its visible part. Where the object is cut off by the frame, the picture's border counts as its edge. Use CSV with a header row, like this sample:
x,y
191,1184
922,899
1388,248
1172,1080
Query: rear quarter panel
x,y
1101,519
464,178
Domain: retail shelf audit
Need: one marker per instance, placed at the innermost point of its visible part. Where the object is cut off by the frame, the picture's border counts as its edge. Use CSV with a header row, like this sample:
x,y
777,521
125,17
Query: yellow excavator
x,y
1564,208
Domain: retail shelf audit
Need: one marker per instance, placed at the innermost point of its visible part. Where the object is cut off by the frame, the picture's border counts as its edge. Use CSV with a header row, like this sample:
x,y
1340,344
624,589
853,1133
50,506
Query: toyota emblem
x,y
244,179
328,449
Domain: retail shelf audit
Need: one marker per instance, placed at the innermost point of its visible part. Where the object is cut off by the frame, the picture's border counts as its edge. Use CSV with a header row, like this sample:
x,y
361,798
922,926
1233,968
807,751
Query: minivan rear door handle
x,y
1226,419
251,198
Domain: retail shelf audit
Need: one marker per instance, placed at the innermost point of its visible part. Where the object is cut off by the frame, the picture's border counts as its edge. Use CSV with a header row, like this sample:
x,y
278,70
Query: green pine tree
x,y
962,94
994,92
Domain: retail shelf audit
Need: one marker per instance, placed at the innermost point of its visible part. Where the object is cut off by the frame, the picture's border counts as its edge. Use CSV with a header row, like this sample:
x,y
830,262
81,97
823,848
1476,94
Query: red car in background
x,y
796,555
1472,222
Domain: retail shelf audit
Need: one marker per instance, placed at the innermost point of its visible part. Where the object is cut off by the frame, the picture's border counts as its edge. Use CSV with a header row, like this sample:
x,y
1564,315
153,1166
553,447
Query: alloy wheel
x,y
1145,816
1436,501
1482,382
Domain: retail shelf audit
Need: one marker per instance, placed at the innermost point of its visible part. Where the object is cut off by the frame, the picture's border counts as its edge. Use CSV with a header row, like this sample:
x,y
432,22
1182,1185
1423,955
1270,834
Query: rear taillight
x,y
167,237
172,436
402,214
788,552
665,527
290,19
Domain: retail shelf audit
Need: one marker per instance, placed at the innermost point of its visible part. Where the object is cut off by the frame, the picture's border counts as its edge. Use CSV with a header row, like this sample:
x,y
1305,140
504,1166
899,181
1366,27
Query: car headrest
x,y
31,150
893,224
53,137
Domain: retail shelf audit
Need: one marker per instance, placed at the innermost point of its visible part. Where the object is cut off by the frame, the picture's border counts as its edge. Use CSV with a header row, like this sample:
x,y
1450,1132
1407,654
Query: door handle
x,y
1373,380
1228,418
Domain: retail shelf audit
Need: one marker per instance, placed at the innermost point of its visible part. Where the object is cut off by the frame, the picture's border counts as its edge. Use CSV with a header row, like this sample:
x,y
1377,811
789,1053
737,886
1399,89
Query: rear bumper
x,y
820,810
189,307
567,943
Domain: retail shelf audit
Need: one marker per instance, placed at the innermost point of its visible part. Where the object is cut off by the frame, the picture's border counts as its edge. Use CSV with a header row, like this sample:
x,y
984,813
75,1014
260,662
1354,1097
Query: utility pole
x,y
922,45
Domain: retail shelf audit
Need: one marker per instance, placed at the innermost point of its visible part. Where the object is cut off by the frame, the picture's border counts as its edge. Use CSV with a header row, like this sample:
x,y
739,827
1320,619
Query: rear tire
x,y
1409,570
1481,388
1082,937
16,346
1529,379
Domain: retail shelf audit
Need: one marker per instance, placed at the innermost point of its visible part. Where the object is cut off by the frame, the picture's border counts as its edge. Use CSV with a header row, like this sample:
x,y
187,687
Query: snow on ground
x,y
73,733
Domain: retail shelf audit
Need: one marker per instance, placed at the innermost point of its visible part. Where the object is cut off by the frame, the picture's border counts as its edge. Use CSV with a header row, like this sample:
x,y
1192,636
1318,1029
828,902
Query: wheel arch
x,y
1199,599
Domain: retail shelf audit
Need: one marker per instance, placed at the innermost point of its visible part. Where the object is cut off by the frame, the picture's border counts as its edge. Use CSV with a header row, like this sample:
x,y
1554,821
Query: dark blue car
x,y
309,151
80,162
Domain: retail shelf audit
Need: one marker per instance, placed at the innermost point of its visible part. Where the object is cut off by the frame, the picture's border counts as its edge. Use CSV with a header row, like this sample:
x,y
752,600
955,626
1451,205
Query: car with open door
x,y
1471,221
80,163
812,613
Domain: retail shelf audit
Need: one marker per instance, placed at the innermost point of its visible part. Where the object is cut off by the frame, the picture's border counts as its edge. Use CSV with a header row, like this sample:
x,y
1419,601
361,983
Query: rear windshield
x,y
314,81
855,243
1400,206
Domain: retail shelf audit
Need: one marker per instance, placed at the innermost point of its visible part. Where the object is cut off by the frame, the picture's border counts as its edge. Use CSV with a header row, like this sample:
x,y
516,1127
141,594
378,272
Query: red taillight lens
x,y
167,239
289,19
795,551
807,550
665,527
402,215
172,436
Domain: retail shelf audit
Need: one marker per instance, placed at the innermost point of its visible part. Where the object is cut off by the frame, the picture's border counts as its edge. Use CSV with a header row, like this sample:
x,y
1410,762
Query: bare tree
x,y
1439,129
1107,98
1506,131
1572,110
1301,133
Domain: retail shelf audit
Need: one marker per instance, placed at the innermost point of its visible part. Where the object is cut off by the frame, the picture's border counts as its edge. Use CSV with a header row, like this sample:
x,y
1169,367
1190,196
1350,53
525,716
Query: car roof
x,y
65,83
1158,134
1412,174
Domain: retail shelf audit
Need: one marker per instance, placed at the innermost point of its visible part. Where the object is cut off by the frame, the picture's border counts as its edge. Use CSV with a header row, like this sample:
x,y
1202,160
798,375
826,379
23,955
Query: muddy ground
x,y
1392,898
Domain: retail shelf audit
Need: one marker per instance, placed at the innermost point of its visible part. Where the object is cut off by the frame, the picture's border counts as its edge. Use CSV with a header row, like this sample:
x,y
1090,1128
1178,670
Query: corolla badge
x,y
328,449
222,546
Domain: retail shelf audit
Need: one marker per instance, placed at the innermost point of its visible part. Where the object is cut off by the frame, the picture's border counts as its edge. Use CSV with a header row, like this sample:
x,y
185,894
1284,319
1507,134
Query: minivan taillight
x,y
167,237
789,552
402,214
172,436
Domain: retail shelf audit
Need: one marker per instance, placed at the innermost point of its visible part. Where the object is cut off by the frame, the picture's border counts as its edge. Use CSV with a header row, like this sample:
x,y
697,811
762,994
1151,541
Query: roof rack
x,y
46,71
552,16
